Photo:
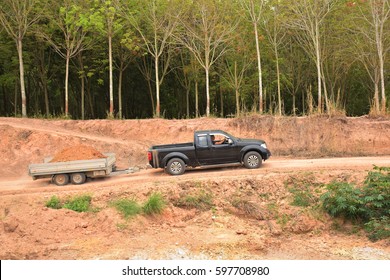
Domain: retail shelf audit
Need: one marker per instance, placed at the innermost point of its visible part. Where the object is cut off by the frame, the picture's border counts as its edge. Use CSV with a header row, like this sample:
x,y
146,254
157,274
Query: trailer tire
x,y
78,178
175,166
60,179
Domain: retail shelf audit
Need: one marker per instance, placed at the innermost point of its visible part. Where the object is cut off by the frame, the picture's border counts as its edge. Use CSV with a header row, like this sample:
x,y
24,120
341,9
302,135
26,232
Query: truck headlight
x,y
264,146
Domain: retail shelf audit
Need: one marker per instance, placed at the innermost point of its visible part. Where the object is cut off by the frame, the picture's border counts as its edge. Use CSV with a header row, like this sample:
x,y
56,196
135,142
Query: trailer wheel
x,y
60,179
175,166
78,178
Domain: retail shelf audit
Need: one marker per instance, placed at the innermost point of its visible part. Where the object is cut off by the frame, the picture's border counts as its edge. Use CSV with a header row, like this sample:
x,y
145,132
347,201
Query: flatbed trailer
x,y
76,171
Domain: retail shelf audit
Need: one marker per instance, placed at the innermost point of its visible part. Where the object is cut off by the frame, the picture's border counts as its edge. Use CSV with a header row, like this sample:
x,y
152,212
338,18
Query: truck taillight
x,y
149,156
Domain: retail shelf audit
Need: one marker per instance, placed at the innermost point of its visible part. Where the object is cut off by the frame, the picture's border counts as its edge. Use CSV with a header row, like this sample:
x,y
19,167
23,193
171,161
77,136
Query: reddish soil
x,y
79,152
251,217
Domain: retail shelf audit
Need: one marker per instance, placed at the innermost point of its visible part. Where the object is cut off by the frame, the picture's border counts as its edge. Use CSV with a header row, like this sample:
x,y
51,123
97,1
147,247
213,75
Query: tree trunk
x,y
259,68
382,76
318,64
278,81
82,80
237,92
188,101
66,83
377,106
221,100
120,91
156,66
207,92
19,46
196,99
111,87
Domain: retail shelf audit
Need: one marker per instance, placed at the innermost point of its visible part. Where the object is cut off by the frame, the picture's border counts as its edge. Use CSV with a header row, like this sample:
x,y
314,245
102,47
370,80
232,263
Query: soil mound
x,y
79,152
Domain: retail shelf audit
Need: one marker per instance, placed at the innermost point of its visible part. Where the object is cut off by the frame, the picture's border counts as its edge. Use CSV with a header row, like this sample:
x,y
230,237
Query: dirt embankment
x,y
238,213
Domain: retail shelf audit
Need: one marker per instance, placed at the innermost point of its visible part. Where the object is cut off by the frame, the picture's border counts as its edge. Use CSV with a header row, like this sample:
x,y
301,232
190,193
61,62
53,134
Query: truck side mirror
x,y
230,141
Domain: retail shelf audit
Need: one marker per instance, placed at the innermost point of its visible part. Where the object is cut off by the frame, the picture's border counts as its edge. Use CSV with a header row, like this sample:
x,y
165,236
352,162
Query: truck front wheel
x,y
175,166
252,160
78,178
60,179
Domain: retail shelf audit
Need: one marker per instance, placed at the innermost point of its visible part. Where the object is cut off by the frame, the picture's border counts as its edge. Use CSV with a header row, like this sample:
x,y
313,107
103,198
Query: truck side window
x,y
202,140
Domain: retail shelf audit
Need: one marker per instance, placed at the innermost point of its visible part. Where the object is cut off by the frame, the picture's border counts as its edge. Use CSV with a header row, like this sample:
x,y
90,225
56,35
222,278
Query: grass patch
x,y
154,205
304,190
54,202
202,201
79,203
250,209
127,207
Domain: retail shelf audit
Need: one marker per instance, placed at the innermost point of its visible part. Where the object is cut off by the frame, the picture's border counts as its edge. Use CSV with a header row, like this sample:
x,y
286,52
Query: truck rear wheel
x,y
175,166
252,160
60,179
78,178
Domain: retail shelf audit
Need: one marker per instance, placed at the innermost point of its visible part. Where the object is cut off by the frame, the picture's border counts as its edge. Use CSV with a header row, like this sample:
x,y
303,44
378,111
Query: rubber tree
x,y
105,20
308,18
254,11
155,22
65,33
16,17
206,34
276,32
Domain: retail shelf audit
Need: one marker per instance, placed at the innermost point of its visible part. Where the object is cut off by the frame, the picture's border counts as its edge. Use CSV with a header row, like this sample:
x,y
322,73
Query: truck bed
x,y
168,146
51,168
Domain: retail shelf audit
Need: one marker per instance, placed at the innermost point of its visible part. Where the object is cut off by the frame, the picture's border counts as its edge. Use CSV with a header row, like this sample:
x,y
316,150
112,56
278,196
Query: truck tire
x,y
60,179
175,166
78,178
252,160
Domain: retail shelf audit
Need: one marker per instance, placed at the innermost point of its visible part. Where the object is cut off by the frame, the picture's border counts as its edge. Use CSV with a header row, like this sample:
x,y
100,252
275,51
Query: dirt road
x,y
280,165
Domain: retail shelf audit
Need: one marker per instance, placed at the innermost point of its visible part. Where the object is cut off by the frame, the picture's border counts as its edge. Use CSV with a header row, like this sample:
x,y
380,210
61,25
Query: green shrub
x,y
343,200
54,203
79,203
128,207
202,201
369,204
378,228
154,205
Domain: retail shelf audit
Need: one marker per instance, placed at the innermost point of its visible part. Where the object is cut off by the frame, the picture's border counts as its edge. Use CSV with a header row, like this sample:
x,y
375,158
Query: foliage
x,y
343,199
201,201
368,205
154,205
54,203
378,228
128,207
79,203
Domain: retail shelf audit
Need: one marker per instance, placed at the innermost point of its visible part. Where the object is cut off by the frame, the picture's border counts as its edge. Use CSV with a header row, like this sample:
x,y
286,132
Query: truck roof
x,y
210,131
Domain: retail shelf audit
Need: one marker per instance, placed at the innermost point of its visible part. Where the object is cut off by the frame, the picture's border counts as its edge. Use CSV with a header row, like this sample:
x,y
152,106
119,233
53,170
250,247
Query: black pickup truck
x,y
210,148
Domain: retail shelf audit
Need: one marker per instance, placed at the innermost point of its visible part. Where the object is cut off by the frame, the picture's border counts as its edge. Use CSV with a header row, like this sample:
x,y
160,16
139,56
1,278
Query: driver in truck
x,y
220,140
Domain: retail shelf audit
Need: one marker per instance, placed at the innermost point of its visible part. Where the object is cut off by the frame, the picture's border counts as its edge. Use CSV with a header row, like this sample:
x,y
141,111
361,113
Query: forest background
x,y
87,59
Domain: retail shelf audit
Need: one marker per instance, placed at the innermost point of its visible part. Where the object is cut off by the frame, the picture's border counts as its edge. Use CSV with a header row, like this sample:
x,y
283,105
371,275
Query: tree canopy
x,y
182,58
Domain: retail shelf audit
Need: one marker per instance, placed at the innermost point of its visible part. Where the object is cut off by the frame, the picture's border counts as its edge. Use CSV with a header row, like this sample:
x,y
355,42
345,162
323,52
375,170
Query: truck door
x,y
203,149
222,150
